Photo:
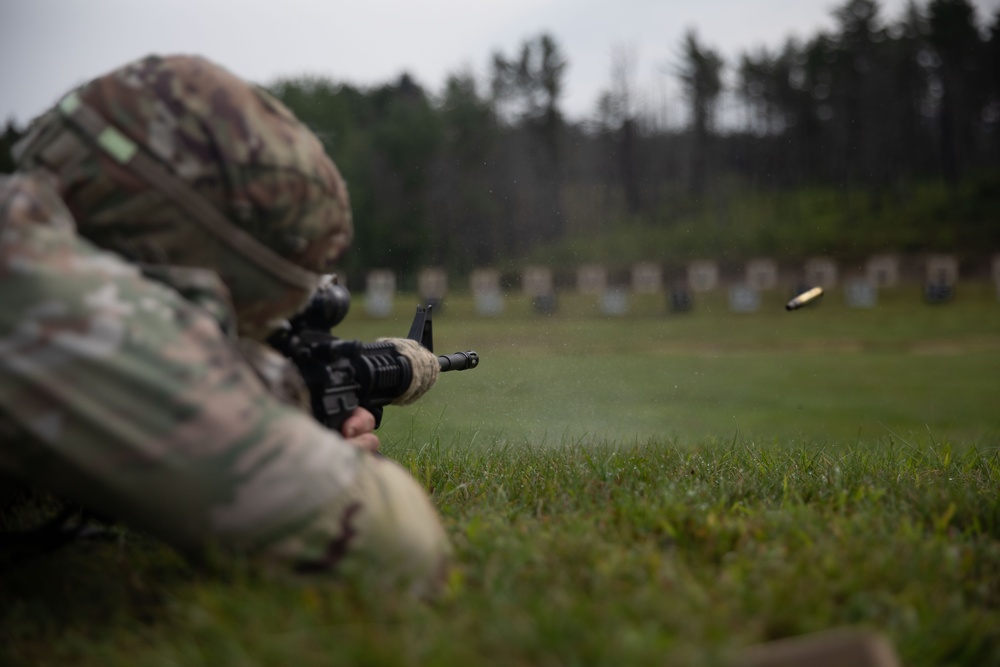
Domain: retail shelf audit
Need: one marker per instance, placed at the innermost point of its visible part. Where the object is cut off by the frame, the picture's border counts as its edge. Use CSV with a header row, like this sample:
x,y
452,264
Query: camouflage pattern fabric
x,y
120,394
239,149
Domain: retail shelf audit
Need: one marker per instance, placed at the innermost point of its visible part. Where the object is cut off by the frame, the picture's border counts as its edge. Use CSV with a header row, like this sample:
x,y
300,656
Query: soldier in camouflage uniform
x,y
164,216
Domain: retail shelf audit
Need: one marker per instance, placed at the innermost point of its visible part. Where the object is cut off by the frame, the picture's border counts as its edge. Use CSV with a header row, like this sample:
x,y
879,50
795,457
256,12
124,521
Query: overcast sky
x,y
49,46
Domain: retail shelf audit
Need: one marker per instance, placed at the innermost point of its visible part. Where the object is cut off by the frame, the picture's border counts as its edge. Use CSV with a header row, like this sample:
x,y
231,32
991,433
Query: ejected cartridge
x,y
804,298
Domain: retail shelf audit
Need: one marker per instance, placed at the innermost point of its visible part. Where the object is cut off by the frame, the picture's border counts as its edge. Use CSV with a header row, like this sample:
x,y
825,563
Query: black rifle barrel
x,y
458,361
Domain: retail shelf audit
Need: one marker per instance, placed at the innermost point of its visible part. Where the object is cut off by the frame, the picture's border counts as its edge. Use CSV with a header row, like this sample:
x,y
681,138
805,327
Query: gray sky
x,y
49,46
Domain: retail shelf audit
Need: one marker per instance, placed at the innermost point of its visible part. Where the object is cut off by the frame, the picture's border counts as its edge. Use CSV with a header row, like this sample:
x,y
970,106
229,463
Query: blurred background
x,y
470,138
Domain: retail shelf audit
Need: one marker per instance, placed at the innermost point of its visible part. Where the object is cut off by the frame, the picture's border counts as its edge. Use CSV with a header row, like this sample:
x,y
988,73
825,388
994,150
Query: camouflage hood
x,y
278,206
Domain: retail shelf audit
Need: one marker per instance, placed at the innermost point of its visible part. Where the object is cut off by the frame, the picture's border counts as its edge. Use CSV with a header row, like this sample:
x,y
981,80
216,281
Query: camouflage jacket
x,y
119,393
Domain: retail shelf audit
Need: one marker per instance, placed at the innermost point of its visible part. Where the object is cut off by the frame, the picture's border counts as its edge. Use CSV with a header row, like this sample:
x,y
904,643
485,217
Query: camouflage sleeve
x,y
137,405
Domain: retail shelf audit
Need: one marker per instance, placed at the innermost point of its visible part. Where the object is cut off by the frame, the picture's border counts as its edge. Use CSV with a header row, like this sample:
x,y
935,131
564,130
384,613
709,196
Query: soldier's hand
x,y
424,365
359,429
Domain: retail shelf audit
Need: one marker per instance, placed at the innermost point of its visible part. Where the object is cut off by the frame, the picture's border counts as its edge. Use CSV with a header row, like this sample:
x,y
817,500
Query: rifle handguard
x,y
343,375
424,365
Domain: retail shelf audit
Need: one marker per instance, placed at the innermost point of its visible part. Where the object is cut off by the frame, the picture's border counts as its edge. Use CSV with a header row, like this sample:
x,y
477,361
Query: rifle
x,y
342,375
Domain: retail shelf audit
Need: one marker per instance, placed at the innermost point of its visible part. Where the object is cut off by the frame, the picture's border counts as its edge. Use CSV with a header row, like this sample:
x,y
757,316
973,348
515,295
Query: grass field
x,y
648,489
829,374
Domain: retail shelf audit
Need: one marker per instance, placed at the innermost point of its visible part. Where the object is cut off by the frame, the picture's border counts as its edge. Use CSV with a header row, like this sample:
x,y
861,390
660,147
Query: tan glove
x,y
424,364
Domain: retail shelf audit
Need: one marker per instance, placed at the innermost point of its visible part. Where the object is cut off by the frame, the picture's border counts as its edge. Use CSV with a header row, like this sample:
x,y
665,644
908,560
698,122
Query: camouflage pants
x,y
130,400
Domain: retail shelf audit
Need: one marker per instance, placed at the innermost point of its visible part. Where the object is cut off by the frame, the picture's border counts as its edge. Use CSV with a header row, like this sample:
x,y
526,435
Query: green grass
x,y
645,490
822,375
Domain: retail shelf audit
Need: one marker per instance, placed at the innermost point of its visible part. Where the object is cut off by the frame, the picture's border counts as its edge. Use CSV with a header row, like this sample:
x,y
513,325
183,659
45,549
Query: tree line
x,y
831,133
